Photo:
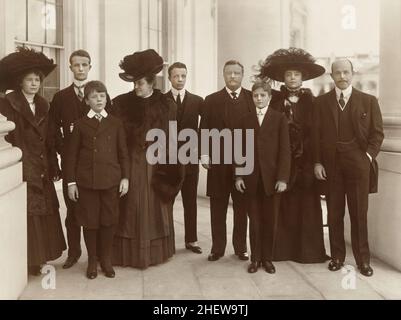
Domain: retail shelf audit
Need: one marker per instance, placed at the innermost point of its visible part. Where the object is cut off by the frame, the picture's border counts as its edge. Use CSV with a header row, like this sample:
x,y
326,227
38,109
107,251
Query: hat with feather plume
x,y
282,60
22,61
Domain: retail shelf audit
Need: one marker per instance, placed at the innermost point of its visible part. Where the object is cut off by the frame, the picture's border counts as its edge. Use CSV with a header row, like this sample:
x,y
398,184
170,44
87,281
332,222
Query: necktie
x,y
341,101
234,95
98,117
80,92
179,107
260,117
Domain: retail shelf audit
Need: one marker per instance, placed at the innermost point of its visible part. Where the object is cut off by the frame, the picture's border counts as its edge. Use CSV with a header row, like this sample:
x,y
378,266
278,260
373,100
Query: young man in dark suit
x,y
97,173
348,133
223,110
271,171
68,106
189,108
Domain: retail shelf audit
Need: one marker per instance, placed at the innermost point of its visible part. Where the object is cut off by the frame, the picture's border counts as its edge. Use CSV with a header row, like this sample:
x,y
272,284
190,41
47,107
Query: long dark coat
x,y
145,234
33,135
300,223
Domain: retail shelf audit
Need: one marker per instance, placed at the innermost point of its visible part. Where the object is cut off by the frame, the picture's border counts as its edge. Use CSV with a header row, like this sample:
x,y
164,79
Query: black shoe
x,y
269,267
214,257
91,271
70,262
366,269
195,249
108,271
335,265
253,267
243,256
34,270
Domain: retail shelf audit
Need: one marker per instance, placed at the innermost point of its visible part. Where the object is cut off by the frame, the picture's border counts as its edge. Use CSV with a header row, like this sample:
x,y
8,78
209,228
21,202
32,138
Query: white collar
x,y
262,111
347,92
29,97
176,92
238,91
79,83
92,113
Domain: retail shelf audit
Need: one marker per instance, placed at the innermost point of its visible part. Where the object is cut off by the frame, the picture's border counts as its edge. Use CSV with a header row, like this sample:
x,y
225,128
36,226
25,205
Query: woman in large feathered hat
x,y
300,229
23,72
145,235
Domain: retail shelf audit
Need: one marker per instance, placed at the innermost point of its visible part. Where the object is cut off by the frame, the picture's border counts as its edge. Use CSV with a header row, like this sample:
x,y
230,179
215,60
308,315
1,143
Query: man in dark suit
x,y
270,175
67,106
348,134
189,108
223,110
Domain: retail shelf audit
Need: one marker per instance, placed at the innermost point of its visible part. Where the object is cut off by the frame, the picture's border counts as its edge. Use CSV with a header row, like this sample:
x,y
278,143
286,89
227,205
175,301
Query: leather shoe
x,y
253,267
214,257
194,249
91,271
269,267
70,262
108,271
335,265
366,269
243,256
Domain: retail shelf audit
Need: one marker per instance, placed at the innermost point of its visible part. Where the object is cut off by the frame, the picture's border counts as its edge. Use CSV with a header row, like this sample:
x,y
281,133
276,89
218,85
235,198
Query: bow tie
x,y
293,93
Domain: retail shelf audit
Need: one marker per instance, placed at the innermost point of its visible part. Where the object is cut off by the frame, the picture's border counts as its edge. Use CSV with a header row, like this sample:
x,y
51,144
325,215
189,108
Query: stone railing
x,y
13,216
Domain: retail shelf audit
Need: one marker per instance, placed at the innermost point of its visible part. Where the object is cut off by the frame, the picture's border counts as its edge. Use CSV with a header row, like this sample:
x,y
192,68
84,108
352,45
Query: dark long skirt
x,y
299,235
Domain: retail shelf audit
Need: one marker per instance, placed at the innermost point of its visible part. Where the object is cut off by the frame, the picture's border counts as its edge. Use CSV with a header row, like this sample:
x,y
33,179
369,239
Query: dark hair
x,y
178,65
20,77
348,60
92,86
233,63
262,84
80,53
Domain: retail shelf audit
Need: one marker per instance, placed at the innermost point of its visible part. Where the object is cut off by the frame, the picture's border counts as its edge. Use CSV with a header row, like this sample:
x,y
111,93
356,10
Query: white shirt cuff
x,y
369,156
72,184
205,159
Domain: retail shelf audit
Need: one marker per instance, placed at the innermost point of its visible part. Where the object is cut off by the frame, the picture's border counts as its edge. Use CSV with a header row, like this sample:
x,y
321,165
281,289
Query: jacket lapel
x,y
104,124
355,103
41,110
20,104
333,105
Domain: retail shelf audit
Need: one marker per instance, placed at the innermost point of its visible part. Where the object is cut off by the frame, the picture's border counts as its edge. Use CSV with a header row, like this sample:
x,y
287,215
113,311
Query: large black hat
x,y
140,64
282,60
23,60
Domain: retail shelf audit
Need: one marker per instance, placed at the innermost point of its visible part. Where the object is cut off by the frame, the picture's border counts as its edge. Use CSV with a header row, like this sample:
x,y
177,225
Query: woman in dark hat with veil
x,y
145,235
299,235
25,70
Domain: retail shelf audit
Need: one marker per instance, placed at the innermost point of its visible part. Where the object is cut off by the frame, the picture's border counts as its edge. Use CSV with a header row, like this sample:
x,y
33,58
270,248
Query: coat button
x,y
42,175
41,156
94,138
95,150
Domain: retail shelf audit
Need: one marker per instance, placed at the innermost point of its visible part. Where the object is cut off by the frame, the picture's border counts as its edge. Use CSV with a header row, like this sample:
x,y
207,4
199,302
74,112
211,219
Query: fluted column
x,y
13,216
385,207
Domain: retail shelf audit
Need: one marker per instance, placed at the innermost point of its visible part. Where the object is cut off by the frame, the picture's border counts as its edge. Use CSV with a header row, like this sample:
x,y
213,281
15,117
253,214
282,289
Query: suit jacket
x,y
367,124
193,106
220,114
97,153
65,109
272,153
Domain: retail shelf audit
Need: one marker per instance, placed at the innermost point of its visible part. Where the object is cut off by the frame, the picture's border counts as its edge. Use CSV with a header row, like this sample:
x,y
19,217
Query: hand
x,y
320,172
205,160
280,186
124,186
240,185
73,193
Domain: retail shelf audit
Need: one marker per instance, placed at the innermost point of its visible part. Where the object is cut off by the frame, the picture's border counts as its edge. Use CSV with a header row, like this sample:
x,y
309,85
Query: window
x,y
39,26
155,35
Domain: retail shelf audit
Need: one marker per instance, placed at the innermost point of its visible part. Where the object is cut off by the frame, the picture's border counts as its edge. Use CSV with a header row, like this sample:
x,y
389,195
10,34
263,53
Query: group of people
x,y
303,147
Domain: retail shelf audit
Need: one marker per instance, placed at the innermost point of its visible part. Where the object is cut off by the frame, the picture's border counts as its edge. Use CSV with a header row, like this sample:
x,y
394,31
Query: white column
x,y
13,218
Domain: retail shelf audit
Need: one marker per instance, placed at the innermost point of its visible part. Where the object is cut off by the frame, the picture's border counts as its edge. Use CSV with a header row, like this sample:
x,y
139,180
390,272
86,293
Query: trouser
x,y
349,181
218,212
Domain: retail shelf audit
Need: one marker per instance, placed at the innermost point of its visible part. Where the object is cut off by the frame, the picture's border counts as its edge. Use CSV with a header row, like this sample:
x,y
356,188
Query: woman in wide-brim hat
x,y
25,70
299,235
145,235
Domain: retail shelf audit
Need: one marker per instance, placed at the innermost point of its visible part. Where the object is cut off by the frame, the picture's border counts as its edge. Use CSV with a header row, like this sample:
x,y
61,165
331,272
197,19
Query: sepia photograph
x,y
180,151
